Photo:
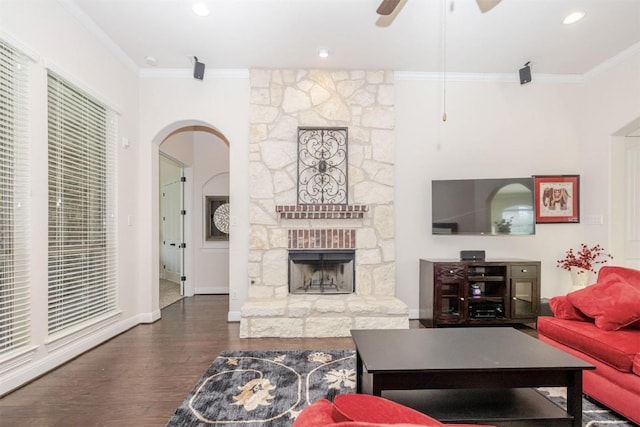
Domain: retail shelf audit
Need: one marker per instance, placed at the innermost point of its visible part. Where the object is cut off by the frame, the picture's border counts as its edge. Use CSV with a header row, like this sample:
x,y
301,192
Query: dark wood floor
x,y
140,377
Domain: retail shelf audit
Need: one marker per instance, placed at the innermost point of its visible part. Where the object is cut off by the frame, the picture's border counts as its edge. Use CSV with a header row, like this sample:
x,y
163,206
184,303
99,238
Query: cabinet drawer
x,y
524,270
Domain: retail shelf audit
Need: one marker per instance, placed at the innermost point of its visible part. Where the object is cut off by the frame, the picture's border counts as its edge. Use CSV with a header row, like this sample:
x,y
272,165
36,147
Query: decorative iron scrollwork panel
x,y
322,166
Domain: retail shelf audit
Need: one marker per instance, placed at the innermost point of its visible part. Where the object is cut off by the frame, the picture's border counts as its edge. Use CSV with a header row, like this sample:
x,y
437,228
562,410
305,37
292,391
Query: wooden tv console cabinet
x,y
478,293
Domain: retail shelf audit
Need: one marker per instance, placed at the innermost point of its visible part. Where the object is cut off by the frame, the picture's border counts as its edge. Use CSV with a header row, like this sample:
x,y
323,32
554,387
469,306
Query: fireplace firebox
x,y
321,271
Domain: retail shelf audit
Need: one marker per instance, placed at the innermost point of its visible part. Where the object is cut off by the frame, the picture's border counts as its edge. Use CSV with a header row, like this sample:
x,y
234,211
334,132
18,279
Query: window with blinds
x,y
82,245
14,187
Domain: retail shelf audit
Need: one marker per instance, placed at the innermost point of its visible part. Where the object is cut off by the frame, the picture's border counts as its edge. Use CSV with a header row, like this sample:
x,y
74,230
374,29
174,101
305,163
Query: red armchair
x,y
363,410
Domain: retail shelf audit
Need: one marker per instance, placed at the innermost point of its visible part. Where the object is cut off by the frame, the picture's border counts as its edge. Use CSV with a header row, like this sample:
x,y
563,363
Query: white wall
x,y
610,106
210,178
221,102
493,130
57,40
507,130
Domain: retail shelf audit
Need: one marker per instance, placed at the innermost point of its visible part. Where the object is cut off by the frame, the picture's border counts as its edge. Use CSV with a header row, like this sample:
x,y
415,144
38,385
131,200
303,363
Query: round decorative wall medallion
x,y
221,218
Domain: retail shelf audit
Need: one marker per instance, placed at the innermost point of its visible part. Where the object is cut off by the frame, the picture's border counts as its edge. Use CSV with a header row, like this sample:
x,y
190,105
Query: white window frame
x,y
82,286
15,280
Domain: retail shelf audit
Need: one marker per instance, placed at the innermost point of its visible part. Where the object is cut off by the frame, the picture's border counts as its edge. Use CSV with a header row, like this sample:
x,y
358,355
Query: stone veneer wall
x,y
282,100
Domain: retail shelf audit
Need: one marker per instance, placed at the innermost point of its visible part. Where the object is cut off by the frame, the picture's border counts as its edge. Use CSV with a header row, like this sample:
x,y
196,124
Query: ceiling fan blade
x,y
387,7
487,5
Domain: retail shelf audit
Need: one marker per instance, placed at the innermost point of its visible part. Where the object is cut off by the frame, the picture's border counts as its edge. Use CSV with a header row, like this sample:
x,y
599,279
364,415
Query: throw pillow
x,y
613,303
563,309
629,275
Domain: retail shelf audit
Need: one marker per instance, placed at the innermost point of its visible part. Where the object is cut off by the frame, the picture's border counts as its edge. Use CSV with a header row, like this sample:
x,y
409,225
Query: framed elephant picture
x,y
557,198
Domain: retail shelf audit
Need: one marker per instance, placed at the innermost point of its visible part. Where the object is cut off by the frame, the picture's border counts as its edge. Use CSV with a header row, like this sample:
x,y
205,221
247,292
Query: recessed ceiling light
x,y
573,17
323,52
200,9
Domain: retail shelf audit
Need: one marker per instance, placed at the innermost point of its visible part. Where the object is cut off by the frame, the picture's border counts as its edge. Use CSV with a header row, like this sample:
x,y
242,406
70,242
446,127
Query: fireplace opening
x,y
322,272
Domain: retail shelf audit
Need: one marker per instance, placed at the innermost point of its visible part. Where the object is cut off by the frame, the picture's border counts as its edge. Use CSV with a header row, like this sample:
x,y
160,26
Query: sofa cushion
x,y
617,349
320,414
563,309
364,424
374,409
636,364
612,302
316,414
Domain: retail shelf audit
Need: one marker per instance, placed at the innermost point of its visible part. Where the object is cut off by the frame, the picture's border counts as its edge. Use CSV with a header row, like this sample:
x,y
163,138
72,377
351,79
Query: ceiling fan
x,y
388,6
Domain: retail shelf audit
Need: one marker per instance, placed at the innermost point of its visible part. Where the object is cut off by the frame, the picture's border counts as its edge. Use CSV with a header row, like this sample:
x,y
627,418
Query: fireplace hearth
x,y
321,272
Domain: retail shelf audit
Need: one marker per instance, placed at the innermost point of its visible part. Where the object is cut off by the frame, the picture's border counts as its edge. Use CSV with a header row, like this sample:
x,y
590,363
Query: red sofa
x,y
363,410
601,325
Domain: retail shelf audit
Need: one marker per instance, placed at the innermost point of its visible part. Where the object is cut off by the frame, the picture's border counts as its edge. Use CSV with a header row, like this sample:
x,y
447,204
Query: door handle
x,y
172,244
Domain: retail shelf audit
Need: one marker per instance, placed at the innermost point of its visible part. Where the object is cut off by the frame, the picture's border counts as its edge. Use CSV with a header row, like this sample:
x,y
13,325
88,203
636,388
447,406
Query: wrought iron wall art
x,y
322,166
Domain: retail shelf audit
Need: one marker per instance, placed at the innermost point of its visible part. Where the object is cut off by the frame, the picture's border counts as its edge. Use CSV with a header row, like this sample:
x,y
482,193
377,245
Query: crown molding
x,y
221,73
612,62
485,77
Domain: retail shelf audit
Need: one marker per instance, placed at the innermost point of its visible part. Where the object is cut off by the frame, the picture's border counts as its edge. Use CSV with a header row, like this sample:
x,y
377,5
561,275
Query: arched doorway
x,y
203,153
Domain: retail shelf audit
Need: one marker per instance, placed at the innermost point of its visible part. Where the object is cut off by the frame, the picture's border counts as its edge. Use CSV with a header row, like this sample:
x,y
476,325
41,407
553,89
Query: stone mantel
x,y
322,211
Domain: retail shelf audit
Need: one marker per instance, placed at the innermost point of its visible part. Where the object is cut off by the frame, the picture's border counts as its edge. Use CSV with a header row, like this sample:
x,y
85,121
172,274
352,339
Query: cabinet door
x,y
524,291
449,293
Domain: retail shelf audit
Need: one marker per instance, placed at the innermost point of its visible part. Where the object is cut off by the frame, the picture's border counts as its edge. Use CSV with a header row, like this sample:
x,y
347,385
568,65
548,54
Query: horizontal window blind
x,y
82,245
14,209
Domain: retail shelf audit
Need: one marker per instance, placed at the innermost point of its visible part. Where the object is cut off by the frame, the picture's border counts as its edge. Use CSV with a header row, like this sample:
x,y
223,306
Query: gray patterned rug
x,y
265,388
270,388
593,414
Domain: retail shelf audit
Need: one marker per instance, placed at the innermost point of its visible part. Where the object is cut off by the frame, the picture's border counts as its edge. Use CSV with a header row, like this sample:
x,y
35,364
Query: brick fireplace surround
x,y
282,100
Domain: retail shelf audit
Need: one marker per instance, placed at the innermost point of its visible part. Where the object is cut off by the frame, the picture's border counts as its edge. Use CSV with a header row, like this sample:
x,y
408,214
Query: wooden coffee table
x,y
463,375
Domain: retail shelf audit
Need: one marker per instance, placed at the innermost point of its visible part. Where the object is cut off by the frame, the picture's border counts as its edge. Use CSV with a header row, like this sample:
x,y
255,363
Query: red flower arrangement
x,y
586,258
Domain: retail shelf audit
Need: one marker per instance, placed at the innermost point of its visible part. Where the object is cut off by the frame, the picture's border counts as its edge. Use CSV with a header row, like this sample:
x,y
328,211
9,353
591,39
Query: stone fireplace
x,y
281,102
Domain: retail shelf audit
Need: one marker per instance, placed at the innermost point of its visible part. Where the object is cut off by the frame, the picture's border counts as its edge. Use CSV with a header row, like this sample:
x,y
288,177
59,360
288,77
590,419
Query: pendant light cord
x,y
444,60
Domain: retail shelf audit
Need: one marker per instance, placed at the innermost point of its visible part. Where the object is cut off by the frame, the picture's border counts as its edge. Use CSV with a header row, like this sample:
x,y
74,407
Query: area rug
x,y
265,388
270,388
593,414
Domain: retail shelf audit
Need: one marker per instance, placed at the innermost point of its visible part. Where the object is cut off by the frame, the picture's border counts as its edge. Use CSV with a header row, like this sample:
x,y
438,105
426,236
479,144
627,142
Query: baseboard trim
x,y
233,316
149,317
31,371
217,290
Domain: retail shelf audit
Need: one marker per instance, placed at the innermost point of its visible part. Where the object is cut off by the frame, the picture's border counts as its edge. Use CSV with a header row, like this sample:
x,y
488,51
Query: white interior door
x,y
632,202
172,231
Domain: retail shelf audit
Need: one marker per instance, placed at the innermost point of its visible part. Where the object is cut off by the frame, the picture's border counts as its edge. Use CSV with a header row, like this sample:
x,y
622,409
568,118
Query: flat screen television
x,y
495,206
